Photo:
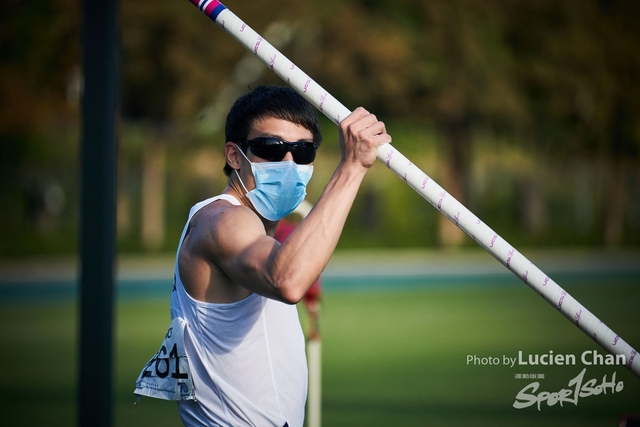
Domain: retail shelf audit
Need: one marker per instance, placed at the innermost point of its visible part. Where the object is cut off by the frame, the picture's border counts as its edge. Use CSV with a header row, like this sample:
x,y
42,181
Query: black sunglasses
x,y
274,149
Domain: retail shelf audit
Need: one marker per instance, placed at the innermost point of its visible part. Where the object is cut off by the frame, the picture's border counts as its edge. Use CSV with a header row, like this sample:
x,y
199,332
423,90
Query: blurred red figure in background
x,y
312,297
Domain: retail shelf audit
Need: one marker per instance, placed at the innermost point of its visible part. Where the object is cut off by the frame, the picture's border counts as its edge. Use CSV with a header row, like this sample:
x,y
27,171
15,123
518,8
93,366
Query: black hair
x,y
269,101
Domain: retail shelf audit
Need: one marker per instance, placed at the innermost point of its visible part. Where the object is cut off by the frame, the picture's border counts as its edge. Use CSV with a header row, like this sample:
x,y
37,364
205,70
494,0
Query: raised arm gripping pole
x,y
426,187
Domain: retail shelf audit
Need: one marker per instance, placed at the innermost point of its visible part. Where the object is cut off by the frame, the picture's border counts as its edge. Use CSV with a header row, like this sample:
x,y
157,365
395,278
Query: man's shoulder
x,y
213,227
222,211
221,220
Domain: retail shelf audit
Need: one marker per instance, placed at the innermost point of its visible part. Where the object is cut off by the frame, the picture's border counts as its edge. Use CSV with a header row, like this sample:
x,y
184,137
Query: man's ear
x,y
232,155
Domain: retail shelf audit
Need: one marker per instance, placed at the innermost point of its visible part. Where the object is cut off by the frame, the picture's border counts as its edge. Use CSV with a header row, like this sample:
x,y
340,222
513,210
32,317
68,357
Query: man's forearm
x,y
302,257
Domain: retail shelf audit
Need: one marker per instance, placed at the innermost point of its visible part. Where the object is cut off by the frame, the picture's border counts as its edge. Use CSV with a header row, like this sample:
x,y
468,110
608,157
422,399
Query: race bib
x,y
167,375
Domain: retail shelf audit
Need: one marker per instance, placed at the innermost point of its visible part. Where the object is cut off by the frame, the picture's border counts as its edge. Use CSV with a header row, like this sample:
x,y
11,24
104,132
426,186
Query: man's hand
x,y
361,133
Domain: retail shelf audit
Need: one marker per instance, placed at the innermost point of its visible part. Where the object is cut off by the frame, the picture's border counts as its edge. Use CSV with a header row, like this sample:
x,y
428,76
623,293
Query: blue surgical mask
x,y
280,187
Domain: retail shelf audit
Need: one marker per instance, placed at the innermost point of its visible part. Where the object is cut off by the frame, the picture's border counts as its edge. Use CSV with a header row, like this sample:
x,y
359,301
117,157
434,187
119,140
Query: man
x,y
235,286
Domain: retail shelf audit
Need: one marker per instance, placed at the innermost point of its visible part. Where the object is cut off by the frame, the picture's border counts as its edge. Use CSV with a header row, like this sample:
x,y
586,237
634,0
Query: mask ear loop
x,y
240,179
236,170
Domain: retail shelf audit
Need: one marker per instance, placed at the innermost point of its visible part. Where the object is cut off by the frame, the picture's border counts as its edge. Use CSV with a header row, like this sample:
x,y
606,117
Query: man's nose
x,y
288,157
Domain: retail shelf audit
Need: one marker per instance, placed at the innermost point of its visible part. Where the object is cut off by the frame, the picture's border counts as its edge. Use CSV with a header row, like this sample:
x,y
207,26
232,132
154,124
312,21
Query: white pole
x,y
426,187
314,400
314,347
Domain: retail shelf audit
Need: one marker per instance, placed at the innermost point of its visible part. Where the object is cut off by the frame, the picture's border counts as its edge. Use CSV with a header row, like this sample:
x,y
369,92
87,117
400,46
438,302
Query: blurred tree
x,y
39,51
442,62
579,67
471,84
565,74
558,79
39,55
175,61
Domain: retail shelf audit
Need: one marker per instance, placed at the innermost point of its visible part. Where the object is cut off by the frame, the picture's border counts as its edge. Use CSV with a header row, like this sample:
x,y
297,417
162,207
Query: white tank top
x,y
247,358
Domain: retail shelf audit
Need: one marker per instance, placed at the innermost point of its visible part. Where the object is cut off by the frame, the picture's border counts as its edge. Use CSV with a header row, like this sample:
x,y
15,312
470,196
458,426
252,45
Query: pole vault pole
x,y
426,187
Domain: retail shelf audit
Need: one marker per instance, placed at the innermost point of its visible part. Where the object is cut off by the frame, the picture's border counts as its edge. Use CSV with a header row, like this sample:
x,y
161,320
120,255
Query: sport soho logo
x,y
577,388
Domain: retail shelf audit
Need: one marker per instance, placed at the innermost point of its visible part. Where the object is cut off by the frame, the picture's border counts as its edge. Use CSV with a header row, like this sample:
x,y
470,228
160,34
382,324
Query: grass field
x,y
390,357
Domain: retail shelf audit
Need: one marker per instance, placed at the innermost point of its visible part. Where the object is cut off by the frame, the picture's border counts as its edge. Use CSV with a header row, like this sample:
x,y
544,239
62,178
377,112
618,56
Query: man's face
x,y
275,128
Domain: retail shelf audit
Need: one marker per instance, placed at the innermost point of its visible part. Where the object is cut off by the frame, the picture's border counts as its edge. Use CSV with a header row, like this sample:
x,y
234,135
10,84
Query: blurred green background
x,y
528,112
397,330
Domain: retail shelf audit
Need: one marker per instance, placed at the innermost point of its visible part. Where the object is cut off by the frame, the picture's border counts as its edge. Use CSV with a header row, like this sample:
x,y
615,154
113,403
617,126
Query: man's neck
x,y
235,189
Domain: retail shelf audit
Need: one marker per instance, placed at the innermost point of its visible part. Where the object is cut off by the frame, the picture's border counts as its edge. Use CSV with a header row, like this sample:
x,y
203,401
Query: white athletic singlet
x,y
247,358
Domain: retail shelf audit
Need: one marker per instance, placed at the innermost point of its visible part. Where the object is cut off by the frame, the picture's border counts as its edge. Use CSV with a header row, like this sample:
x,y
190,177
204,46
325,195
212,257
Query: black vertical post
x,y
98,210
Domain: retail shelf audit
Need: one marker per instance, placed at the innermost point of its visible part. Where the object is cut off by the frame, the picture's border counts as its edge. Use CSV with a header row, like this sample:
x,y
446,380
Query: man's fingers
x,y
363,124
376,133
355,115
362,133
372,128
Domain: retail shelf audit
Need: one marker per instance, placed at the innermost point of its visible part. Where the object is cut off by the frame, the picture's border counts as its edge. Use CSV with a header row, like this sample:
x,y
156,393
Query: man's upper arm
x,y
237,243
